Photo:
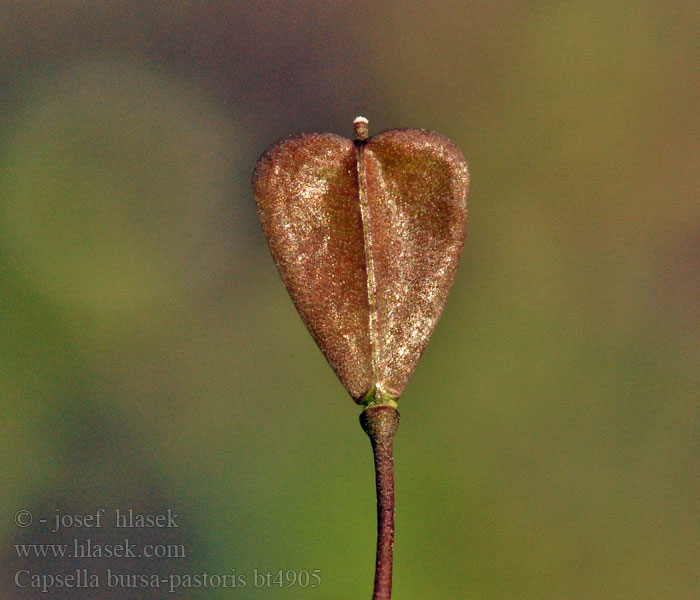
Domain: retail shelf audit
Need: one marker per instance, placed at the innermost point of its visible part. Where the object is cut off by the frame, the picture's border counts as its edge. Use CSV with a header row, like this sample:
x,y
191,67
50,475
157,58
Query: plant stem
x,y
380,423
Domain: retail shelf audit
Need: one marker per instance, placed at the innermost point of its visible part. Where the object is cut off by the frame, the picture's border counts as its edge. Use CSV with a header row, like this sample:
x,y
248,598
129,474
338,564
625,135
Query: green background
x,y
150,357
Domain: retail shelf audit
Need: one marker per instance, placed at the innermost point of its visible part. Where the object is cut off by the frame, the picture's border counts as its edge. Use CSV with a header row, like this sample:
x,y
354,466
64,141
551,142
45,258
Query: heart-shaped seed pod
x,y
367,236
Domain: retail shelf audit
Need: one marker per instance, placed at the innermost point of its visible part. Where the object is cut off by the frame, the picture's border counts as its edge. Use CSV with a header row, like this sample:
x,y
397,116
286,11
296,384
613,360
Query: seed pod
x,y
367,236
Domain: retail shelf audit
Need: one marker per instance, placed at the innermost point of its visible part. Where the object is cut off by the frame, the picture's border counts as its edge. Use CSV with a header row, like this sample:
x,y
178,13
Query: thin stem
x,y
380,423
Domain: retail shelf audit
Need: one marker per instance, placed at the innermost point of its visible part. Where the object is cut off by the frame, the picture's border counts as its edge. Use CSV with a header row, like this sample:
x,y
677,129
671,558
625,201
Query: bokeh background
x,y
151,359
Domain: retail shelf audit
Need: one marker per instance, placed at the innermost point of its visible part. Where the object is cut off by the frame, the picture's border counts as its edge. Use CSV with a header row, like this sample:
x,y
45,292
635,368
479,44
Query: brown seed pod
x,y
367,236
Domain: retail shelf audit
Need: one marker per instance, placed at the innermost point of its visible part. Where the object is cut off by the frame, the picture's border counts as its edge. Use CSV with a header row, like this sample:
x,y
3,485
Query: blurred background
x,y
151,359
